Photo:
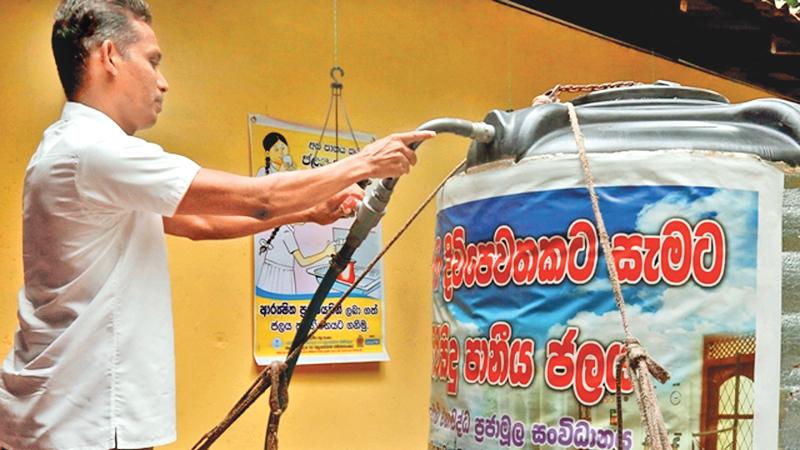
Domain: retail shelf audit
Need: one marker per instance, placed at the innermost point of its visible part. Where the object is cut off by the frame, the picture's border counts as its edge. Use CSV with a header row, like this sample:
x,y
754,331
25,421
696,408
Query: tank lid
x,y
665,90
647,117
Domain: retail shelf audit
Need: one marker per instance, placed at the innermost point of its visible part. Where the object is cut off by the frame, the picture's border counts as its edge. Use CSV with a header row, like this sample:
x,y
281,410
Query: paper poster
x,y
289,265
526,333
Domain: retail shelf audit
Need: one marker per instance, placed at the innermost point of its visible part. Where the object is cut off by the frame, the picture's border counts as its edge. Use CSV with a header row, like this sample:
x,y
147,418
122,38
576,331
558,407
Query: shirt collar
x,y
73,110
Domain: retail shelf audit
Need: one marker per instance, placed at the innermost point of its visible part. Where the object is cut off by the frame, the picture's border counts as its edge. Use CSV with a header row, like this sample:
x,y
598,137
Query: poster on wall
x,y
526,333
289,262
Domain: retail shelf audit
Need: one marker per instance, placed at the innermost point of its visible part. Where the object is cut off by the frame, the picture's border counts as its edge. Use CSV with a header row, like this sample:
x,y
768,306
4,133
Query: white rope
x,y
638,360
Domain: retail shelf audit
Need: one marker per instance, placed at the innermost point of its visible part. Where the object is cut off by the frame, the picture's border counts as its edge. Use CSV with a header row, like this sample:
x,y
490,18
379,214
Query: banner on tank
x,y
526,332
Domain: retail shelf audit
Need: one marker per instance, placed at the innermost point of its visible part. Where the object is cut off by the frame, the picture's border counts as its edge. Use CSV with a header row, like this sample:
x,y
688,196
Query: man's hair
x,y
82,25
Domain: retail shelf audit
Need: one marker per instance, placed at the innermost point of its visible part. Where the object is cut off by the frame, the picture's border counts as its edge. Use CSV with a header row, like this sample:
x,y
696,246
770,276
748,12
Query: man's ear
x,y
109,57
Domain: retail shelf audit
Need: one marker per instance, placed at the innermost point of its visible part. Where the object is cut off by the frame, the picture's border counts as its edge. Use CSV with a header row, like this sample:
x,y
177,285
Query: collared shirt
x,y
92,365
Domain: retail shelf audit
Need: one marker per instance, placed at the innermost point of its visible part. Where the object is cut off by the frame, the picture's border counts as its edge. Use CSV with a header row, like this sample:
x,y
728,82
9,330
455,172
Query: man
x,y
92,365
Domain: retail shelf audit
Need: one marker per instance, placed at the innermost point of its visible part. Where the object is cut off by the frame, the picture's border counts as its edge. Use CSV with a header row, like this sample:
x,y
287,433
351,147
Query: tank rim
x,y
647,92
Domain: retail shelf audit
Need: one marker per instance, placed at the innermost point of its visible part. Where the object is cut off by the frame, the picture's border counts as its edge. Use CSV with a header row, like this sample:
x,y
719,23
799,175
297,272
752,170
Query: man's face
x,y
142,86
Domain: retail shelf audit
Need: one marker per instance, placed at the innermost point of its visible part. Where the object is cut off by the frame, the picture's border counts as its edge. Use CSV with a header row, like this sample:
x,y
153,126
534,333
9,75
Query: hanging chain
x,y
335,34
336,96
336,100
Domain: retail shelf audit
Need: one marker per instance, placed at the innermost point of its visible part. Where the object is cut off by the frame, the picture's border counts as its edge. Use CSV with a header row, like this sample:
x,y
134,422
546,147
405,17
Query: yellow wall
x,y
406,62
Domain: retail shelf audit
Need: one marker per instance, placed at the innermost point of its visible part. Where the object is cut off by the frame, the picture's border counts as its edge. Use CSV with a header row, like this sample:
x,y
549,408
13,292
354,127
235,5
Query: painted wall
x,y
405,62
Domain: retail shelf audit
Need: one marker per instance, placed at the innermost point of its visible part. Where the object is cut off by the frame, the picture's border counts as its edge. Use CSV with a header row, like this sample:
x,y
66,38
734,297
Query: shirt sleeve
x,y
134,175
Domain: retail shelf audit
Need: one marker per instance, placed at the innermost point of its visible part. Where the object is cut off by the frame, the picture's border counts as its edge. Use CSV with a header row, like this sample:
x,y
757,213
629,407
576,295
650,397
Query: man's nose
x,y
163,85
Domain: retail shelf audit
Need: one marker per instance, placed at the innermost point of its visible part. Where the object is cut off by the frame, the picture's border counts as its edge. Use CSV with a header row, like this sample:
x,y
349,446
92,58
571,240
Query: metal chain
x,y
551,95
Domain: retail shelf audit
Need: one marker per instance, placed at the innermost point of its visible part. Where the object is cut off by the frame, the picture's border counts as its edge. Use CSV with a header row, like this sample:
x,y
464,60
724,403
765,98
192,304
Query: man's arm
x,y
224,194
199,227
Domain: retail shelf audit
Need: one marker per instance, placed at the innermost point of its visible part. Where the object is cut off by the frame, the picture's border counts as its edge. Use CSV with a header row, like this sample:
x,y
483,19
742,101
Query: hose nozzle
x,y
373,207
480,131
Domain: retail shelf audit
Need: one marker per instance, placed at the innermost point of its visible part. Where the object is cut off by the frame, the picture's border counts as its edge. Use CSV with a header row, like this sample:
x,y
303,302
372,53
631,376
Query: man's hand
x,y
340,205
291,196
390,157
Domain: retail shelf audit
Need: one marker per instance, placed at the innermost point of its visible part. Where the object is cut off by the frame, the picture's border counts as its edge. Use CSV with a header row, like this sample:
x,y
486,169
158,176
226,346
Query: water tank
x,y
704,220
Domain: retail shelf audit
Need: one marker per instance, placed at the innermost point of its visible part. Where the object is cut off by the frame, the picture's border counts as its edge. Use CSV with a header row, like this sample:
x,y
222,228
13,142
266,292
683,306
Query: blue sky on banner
x,y
544,311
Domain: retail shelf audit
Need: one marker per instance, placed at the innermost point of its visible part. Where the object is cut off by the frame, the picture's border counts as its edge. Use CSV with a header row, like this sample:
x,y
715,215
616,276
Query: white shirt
x,y
93,360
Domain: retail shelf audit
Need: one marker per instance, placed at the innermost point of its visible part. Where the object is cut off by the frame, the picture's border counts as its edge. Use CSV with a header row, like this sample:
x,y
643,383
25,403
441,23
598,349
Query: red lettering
x,y
710,244
676,251
447,271
614,352
445,357
483,277
590,373
560,364
437,262
525,261
504,240
458,256
476,351
676,255
627,250
652,272
470,265
582,240
552,260
587,368
499,360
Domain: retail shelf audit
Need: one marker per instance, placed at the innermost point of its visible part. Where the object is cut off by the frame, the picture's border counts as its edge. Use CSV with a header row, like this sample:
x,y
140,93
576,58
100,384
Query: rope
x,y
618,395
635,353
268,376
278,402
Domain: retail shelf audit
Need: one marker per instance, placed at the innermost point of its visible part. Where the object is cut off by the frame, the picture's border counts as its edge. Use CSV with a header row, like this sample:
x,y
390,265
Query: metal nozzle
x,y
480,131
373,207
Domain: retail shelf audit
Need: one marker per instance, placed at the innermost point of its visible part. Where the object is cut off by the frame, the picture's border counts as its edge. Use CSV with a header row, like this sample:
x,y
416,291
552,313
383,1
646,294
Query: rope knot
x,y
279,393
543,99
636,354
278,401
